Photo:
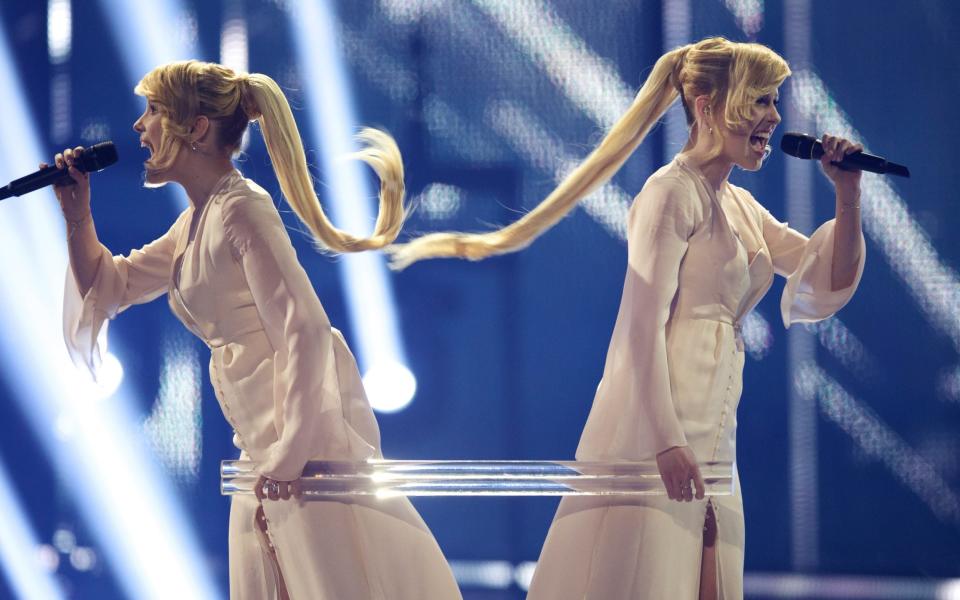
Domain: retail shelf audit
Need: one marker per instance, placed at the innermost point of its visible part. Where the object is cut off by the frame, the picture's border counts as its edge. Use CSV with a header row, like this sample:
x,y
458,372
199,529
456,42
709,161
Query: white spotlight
x,y
390,386
48,558
378,345
64,540
83,559
109,376
59,30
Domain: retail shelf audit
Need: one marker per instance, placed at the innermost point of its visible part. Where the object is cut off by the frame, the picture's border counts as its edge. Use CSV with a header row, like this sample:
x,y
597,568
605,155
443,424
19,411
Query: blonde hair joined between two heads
x,y
732,75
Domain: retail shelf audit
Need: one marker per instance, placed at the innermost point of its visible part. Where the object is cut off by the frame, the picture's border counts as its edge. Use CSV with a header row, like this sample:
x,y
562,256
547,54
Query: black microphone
x,y
806,146
92,159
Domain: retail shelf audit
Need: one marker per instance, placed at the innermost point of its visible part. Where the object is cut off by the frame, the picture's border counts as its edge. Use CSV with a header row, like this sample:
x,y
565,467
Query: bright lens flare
x,y
390,387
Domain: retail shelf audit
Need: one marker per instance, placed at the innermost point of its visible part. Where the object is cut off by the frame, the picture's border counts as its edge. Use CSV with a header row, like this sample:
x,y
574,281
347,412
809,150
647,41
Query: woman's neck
x,y
715,170
199,179
697,153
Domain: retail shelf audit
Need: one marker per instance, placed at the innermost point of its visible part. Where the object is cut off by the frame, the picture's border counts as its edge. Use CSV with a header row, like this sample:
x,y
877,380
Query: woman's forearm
x,y
846,239
84,249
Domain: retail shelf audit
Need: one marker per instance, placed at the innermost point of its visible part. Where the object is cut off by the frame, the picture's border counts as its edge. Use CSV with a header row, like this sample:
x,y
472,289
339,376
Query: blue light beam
x,y
388,381
93,442
18,548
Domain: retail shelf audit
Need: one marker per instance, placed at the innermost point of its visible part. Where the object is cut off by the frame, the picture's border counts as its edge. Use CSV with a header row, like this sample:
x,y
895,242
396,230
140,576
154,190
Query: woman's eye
x,y
766,100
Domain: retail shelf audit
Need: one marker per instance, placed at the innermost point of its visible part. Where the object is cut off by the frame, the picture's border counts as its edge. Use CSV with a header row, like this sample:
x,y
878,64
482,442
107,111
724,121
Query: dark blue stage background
x,y
849,432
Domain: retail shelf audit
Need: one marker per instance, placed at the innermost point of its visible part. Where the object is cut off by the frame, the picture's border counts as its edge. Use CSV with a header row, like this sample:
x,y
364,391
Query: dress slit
x,y
262,527
710,540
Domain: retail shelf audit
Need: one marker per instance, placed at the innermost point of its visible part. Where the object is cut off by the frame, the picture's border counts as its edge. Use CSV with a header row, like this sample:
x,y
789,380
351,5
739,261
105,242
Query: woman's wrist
x,y
848,199
73,224
76,221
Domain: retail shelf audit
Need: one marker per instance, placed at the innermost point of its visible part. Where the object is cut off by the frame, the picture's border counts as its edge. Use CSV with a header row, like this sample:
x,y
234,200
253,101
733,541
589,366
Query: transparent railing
x,y
477,478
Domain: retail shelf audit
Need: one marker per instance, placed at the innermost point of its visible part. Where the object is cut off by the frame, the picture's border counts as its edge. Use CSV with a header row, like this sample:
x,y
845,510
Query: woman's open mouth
x,y
759,141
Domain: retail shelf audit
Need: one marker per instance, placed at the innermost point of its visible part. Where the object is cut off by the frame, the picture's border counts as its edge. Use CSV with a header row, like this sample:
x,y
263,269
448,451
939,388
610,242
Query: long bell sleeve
x,y
120,282
807,263
634,414
309,413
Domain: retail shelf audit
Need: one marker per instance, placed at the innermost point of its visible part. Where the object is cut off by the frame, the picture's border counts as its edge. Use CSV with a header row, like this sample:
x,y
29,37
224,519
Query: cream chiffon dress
x,y
697,263
289,387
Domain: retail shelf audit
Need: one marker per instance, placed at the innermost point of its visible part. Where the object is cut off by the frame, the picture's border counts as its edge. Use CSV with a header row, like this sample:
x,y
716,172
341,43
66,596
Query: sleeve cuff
x,y
807,296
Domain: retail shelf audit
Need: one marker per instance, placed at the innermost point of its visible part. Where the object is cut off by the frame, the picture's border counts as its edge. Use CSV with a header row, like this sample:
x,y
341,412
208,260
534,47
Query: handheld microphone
x,y
809,147
92,159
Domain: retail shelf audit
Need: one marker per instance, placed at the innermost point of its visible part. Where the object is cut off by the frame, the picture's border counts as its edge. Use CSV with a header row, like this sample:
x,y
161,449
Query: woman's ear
x,y
702,109
201,126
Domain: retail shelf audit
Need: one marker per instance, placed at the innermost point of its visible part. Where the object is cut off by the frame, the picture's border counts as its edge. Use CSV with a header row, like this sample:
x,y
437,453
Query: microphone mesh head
x,y
798,144
98,157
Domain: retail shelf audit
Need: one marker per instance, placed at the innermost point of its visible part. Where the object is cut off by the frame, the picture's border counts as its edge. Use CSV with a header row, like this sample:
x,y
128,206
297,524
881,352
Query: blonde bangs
x,y
755,72
157,87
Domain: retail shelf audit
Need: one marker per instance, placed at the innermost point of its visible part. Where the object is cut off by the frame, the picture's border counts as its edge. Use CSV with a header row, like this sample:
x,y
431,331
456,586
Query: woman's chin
x,y
752,162
153,178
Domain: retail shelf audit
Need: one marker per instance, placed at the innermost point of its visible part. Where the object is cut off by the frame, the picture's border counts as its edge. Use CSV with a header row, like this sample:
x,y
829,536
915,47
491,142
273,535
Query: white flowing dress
x,y
698,262
289,387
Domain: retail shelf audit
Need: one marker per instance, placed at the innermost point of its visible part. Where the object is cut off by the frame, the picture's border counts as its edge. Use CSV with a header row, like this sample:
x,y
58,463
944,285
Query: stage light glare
x,y
440,201
109,377
489,574
933,283
59,30
949,590
233,45
64,427
64,540
366,285
110,477
28,574
48,557
589,81
523,574
748,13
757,336
390,387
151,34
879,442
83,559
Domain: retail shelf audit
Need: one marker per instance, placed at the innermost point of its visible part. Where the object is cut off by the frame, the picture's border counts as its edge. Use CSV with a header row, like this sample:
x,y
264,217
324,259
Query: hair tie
x,y
247,100
675,77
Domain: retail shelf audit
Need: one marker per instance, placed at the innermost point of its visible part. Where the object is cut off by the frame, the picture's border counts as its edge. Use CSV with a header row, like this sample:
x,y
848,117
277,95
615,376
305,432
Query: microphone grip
x,y
95,158
43,177
863,162
856,161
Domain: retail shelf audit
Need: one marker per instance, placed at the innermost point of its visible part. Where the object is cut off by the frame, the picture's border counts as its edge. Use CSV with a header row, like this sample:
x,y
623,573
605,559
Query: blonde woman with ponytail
x,y
701,253
285,379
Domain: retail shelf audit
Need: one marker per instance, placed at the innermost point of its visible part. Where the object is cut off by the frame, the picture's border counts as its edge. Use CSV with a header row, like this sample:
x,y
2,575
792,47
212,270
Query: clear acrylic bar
x,y
477,478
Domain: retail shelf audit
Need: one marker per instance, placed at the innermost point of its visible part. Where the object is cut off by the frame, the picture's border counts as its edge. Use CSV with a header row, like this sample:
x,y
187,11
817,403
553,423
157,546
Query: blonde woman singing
x,y
701,253
284,377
